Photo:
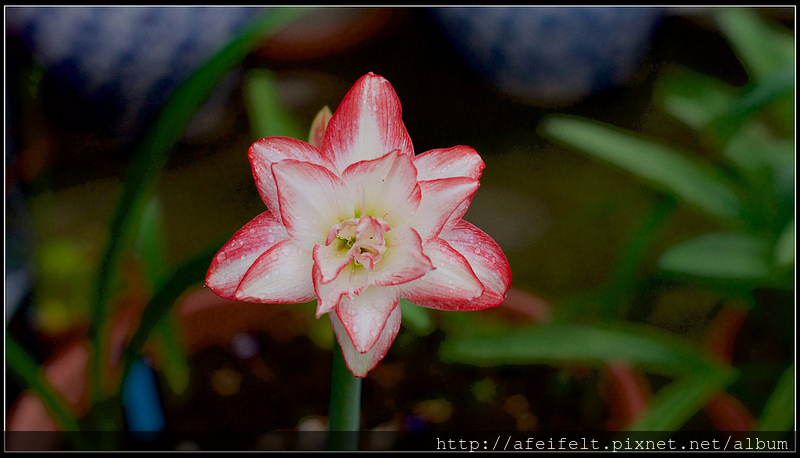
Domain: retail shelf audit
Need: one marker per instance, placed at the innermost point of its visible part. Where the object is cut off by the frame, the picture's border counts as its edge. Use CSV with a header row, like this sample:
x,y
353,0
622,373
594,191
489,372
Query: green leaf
x,y
762,48
778,414
149,159
784,247
663,167
191,272
416,318
22,366
754,100
625,274
766,165
674,404
553,343
269,116
174,362
722,256
150,243
693,98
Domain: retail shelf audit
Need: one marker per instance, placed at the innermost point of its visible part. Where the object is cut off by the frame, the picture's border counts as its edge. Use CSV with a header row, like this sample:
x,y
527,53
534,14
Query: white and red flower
x,y
357,221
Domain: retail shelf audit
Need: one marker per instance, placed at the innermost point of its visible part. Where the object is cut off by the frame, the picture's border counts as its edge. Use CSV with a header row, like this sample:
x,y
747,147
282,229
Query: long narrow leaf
x,y
22,366
554,343
779,411
625,273
693,98
721,256
785,247
269,116
758,97
150,158
762,48
666,169
189,273
151,248
674,404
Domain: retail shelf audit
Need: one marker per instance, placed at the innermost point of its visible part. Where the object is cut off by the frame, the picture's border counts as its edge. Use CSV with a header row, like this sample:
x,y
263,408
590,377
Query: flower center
x,y
361,237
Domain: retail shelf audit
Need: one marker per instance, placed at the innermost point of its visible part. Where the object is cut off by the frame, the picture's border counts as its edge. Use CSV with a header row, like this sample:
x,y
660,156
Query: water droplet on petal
x,y
221,257
286,250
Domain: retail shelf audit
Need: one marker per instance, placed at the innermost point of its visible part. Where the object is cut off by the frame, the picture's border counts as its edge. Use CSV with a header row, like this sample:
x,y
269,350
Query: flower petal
x,y
452,285
487,261
282,275
364,315
331,260
387,186
458,161
310,201
367,125
268,151
235,257
361,363
350,281
317,131
403,260
442,201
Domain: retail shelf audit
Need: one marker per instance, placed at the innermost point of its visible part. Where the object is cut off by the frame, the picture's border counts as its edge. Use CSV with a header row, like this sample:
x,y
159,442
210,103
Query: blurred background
x,y
639,177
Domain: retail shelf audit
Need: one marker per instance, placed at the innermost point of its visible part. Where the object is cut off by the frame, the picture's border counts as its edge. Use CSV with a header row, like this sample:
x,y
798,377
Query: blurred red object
x,y
725,411
66,372
326,31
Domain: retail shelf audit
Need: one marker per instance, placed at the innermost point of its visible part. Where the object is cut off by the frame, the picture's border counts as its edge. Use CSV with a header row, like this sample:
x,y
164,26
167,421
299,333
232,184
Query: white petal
x,y
331,260
350,281
282,275
310,201
364,315
452,285
403,260
268,151
458,161
235,258
487,261
361,363
442,200
367,125
386,186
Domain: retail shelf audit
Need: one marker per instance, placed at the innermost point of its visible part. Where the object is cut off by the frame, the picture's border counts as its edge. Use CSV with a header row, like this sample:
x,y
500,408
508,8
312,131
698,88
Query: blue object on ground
x,y
142,403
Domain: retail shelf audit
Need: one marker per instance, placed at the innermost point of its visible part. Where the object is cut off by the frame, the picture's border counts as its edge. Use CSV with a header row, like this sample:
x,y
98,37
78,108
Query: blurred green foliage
x,y
746,186
136,224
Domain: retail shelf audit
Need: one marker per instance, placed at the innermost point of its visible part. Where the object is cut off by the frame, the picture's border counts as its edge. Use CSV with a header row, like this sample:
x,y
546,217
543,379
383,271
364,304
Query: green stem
x,y
345,407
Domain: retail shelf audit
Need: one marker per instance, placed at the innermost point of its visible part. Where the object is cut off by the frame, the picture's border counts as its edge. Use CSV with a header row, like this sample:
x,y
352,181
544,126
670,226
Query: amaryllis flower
x,y
357,221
